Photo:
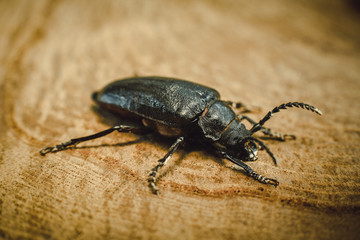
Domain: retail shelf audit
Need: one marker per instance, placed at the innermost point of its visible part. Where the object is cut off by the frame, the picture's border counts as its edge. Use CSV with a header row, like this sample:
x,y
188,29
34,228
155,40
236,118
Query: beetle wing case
x,y
172,102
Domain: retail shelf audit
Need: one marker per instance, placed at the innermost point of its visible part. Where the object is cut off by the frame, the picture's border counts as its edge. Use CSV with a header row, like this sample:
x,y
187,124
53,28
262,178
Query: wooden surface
x,y
54,54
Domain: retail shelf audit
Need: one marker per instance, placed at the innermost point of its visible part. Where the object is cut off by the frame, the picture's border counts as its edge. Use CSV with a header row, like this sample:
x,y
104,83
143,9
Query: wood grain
x,y
54,54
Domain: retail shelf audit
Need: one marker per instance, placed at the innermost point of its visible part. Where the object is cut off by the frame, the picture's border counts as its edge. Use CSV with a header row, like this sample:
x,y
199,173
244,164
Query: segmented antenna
x,y
308,107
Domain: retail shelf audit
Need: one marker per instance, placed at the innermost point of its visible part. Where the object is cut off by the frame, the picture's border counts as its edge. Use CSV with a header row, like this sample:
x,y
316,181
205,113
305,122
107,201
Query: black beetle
x,y
188,112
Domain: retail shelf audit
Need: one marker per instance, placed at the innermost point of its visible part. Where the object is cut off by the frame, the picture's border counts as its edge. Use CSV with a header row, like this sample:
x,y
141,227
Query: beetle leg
x,y
250,171
161,163
268,131
64,145
276,135
238,105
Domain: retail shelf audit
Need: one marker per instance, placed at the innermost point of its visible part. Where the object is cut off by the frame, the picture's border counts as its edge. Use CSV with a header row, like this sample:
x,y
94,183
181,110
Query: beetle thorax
x,y
215,120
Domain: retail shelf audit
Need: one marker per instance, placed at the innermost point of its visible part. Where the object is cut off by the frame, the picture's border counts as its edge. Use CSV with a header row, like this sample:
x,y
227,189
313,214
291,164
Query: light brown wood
x,y
54,54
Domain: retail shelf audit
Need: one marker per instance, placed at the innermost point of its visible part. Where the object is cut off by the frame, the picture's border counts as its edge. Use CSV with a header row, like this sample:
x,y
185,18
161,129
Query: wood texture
x,y
54,54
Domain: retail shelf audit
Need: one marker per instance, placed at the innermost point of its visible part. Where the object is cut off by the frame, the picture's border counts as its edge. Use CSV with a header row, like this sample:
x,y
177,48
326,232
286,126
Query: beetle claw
x,y
289,137
57,148
271,181
44,151
153,188
47,150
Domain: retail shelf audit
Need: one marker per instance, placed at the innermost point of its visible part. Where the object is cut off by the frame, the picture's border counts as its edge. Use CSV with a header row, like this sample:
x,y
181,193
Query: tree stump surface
x,y
54,54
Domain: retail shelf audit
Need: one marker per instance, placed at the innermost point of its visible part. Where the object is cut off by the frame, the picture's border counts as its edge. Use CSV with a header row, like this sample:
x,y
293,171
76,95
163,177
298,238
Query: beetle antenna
x,y
263,145
305,106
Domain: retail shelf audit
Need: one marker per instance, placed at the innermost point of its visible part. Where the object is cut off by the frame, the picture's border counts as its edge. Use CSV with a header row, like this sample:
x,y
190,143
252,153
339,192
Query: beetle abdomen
x,y
172,102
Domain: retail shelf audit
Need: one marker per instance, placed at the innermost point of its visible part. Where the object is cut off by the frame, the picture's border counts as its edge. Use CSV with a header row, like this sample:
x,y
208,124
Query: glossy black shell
x,y
173,102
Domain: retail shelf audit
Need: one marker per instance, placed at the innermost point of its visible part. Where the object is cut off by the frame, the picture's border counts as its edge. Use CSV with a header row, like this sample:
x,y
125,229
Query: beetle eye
x,y
251,150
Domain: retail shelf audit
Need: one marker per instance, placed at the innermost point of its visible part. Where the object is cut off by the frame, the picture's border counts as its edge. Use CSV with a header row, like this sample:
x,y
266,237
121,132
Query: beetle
x,y
186,111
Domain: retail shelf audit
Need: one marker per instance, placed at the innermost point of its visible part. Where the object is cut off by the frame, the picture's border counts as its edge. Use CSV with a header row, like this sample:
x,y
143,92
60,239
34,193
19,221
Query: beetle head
x,y
250,152
246,150
238,142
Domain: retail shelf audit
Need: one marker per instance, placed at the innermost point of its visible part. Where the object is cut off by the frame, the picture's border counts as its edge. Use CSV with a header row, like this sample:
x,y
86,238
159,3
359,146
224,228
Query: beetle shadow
x,y
140,139
187,149
108,118
207,154
111,119
184,150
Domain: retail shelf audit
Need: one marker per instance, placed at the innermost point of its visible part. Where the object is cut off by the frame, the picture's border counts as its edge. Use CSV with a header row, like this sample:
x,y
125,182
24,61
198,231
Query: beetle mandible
x,y
186,111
